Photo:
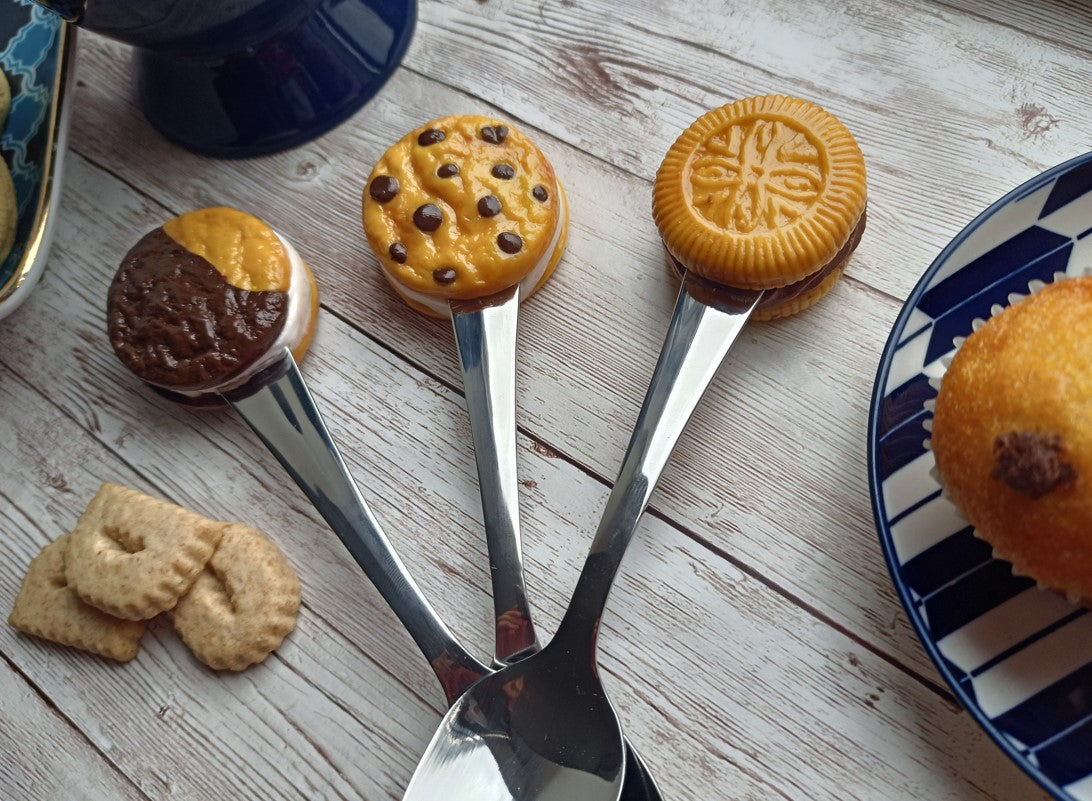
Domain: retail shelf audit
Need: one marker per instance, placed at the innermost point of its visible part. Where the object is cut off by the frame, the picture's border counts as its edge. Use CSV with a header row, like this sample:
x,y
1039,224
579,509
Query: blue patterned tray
x,y
35,50
1019,658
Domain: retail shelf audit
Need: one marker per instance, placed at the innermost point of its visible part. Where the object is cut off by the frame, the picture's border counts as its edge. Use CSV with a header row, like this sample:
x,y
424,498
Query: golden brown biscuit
x,y
5,98
243,604
47,607
9,211
1012,435
209,299
765,193
461,208
133,556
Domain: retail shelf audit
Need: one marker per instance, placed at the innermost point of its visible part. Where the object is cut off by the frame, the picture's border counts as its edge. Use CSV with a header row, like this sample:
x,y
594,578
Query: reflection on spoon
x,y
485,331
559,738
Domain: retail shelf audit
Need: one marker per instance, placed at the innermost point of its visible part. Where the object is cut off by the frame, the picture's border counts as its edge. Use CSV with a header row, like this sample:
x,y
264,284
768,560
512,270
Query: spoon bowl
x,y
511,736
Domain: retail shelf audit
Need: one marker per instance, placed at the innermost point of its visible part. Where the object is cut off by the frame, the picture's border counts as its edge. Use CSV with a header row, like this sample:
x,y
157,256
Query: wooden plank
x,y
711,685
1062,23
760,473
951,111
172,726
44,756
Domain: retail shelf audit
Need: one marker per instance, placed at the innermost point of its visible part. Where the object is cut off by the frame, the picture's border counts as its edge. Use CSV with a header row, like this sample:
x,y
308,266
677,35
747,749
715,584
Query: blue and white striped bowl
x,y
1019,658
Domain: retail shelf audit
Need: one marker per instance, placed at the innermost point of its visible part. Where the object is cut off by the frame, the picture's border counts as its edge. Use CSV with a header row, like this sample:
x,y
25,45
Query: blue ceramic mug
x,y
246,77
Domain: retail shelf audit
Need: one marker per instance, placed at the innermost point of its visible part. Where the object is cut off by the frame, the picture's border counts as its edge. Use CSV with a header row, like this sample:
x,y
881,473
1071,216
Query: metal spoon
x,y
543,728
279,409
277,406
485,332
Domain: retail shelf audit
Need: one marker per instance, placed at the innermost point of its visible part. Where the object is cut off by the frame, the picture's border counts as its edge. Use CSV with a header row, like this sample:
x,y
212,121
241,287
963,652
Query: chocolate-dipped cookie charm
x,y
209,299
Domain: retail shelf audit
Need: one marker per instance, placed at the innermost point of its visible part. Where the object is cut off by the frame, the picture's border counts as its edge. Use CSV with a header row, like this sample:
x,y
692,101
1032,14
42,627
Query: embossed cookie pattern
x,y
756,176
761,193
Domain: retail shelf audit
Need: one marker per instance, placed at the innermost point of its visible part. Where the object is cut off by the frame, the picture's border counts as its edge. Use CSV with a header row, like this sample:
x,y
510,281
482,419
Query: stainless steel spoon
x,y
279,409
485,332
277,406
543,728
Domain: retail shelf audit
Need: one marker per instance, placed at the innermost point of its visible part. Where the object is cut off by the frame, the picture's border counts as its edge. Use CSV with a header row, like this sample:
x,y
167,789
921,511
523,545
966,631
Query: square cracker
x,y
48,608
134,556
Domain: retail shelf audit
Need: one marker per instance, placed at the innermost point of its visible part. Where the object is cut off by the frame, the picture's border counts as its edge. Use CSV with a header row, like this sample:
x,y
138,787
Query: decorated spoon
x,y
543,728
467,218
751,193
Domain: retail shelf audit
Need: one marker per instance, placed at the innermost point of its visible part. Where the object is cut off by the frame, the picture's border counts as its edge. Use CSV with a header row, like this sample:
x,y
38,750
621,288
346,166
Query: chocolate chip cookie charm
x,y
461,208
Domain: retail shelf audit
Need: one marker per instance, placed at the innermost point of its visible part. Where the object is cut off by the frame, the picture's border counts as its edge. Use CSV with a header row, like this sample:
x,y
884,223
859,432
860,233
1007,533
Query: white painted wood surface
x,y
754,645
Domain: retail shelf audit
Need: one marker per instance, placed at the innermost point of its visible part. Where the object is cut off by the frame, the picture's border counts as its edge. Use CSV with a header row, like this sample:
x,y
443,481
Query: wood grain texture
x,y
1062,23
769,481
951,110
44,756
754,644
345,706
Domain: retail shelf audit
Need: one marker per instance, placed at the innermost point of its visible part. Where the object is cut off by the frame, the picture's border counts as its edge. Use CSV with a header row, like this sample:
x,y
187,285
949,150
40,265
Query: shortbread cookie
x,y
767,193
243,604
133,556
462,208
209,299
47,607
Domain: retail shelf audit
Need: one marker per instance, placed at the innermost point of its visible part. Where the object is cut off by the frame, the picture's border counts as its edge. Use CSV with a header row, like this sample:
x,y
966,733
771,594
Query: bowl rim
x,y
32,262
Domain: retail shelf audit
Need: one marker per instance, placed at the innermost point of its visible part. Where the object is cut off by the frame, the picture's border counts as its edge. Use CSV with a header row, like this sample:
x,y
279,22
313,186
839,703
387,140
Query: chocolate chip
x,y
540,193
495,134
428,218
444,275
448,170
489,206
503,171
431,137
509,243
383,188
1031,462
398,252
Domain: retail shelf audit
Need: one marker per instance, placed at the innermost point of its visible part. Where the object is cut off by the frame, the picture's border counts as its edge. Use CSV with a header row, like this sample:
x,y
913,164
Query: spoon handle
x,y
485,332
280,410
706,321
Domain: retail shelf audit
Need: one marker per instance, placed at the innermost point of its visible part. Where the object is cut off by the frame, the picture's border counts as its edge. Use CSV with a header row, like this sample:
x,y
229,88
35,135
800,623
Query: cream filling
x,y
297,320
526,286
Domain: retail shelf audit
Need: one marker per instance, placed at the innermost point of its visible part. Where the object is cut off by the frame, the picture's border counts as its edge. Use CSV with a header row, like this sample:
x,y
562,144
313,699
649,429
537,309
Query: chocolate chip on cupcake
x,y
1012,435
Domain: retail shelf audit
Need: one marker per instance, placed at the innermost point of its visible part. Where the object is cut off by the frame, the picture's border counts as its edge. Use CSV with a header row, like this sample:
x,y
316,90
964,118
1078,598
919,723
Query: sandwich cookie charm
x,y
767,193
462,208
208,300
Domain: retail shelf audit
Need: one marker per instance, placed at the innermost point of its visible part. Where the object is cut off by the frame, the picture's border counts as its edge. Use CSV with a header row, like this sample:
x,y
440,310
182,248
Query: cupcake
x,y
209,299
1012,435
767,193
462,208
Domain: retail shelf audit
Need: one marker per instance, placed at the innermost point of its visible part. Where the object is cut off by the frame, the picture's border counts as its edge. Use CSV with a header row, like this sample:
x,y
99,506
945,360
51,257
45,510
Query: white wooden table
x,y
754,645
